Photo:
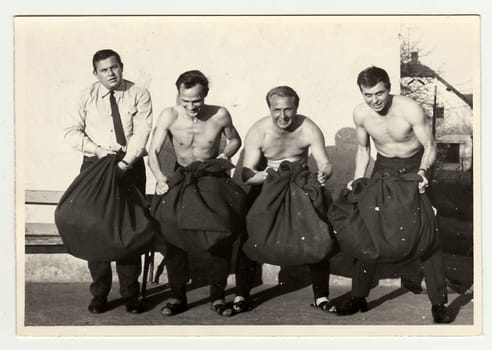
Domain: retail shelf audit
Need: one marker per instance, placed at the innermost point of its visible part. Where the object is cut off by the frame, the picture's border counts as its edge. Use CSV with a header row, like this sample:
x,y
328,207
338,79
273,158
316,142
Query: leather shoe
x,y
352,306
174,307
97,305
134,305
440,314
412,286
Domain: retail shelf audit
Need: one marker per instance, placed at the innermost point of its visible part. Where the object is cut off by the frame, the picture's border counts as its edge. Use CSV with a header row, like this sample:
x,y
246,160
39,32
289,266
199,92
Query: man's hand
x,y
222,156
349,185
161,187
424,183
322,178
123,166
121,169
103,152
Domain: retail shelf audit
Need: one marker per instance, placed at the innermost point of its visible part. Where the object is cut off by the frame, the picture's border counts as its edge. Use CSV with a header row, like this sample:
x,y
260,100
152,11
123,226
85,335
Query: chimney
x,y
414,58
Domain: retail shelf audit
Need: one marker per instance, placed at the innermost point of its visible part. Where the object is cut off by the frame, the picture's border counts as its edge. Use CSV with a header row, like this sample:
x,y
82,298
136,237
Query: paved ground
x,y
65,304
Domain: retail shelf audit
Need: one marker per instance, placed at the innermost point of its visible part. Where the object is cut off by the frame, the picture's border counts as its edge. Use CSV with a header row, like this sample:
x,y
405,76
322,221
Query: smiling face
x,y
192,99
109,72
283,110
376,97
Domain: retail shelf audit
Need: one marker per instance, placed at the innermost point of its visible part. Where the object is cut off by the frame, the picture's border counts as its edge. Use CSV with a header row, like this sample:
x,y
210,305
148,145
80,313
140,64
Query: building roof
x,y
415,69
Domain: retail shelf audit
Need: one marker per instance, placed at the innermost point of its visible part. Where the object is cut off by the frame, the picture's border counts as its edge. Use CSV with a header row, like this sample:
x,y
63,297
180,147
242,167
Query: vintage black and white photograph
x,y
248,175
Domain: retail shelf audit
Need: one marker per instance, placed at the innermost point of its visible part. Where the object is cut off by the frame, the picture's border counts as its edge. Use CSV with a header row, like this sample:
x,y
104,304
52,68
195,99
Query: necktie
x,y
118,127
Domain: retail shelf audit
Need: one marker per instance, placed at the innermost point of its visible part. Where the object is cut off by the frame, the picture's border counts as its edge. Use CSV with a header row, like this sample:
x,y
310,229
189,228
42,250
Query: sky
x,y
446,48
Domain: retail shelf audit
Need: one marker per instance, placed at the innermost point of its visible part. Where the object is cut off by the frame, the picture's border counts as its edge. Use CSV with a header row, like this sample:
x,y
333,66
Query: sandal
x,y
326,306
241,306
171,309
222,309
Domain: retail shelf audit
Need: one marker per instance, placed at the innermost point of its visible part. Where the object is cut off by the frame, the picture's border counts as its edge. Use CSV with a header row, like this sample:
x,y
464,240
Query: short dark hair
x,y
283,91
103,54
192,78
372,76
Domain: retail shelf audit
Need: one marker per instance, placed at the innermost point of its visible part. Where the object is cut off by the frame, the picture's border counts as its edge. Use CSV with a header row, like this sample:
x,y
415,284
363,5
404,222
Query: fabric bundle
x,y
203,208
287,224
385,219
102,216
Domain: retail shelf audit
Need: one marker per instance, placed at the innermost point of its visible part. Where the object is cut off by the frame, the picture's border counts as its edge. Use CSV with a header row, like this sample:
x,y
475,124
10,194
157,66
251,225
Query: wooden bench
x,y
42,238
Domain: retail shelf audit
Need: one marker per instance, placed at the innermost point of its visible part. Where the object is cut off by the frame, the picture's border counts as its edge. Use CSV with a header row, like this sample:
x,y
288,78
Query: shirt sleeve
x,y
142,125
74,132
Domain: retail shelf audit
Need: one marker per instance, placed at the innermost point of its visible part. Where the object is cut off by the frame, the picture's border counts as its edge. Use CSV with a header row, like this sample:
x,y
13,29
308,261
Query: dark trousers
x,y
129,269
245,267
433,269
178,272
245,273
432,265
320,277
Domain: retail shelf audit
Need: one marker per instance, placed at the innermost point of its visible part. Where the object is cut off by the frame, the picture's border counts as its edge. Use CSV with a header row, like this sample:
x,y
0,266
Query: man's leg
x,y
412,280
437,292
219,265
178,276
245,275
101,285
245,267
320,277
128,271
364,273
361,285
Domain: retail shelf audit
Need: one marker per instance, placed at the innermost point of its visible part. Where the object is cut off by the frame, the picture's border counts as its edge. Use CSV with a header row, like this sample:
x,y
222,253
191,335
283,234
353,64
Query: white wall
x,y
244,57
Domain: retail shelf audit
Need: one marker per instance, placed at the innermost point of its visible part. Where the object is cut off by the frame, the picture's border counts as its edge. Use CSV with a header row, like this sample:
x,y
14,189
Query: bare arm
x,y
252,157
233,138
423,133
159,135
318,150
362,155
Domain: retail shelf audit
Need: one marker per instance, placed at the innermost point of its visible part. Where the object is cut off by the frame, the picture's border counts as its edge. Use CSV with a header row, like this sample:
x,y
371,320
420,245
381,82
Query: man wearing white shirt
x,y
113,115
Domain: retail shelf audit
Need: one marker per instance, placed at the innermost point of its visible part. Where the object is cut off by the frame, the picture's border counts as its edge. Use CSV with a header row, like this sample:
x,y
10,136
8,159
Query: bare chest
x,y
186,132
289,146
388,129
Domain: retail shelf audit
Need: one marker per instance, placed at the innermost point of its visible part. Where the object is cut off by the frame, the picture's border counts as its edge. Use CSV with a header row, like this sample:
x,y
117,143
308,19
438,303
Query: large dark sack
x,y
385,219
203,208
103,216
287,224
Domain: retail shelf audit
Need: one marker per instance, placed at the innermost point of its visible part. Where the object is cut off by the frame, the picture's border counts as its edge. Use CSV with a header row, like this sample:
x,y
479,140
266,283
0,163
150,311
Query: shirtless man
x,y
288,136
195,129
396,124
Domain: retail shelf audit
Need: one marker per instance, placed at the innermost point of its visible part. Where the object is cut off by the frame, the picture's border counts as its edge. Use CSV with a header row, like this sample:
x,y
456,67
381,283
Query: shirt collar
x,y
104,92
